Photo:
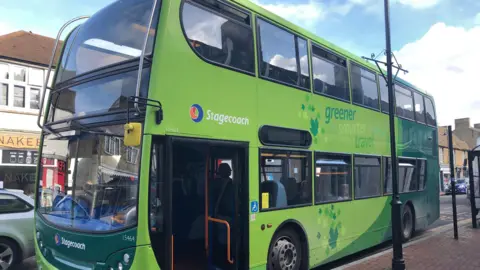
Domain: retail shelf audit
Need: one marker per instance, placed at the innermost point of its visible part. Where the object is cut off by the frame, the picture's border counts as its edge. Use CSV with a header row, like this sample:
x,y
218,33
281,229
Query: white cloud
x,y
419,4
303,14
445,63
5,28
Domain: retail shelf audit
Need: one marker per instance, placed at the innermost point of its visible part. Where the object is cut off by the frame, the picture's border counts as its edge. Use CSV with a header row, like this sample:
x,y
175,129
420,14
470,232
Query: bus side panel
x,y
420,141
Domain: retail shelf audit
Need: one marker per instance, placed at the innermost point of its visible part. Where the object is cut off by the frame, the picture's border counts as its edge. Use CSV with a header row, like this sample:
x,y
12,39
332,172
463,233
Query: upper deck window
x,y
430,112
419,108
404,101
283,56
224,37
114,34
364,87
330,75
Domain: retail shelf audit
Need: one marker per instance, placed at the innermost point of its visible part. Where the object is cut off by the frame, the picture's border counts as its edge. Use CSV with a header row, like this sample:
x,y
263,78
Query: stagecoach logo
x,y
62,241
57,239
196,113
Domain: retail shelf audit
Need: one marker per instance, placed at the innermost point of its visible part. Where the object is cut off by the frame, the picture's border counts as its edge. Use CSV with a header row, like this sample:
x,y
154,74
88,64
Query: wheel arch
x,y
17,245
298,228
410,204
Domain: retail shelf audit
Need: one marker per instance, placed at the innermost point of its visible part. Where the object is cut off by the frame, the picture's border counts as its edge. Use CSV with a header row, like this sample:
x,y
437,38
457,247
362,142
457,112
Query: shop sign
x,y
22,141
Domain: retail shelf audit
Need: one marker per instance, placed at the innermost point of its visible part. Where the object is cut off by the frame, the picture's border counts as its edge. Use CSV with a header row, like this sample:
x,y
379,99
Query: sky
x,y
437,41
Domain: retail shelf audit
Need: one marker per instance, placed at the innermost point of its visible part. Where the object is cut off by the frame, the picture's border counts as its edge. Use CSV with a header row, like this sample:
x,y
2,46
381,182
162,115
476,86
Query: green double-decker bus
x,y
212,134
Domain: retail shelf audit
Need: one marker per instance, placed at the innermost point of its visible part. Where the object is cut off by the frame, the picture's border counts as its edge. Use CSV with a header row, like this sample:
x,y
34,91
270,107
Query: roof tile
x,y
29,47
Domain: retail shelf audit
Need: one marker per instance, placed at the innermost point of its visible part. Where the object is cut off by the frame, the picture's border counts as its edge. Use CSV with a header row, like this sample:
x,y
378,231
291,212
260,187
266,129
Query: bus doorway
x,y
207,180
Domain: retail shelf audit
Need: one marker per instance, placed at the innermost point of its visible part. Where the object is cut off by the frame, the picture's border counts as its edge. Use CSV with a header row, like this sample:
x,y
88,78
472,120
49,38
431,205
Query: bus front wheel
x,y
285,252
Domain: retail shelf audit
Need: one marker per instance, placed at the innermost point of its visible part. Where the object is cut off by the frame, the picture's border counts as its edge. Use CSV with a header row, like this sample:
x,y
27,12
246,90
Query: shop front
x,y
18,160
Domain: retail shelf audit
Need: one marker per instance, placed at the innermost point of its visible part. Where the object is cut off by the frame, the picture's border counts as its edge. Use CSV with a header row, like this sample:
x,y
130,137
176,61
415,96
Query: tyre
x,y
285,252
407,223
9,253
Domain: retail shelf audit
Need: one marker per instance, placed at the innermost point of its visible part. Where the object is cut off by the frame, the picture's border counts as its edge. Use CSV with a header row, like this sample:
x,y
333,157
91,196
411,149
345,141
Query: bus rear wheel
x,y
407,223
285,252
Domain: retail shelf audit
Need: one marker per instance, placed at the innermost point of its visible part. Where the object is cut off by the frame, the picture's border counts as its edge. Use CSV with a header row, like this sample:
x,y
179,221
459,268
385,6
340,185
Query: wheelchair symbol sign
x,y
254,206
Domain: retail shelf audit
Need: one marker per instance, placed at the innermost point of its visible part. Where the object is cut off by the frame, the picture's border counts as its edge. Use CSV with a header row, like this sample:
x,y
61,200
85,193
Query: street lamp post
x,y
398,262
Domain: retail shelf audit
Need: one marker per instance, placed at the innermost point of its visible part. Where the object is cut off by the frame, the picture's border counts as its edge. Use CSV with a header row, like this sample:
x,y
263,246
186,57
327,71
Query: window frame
x,y
260,137
296,36
425,97
379,98
24,106
415,173
341,154
419,160
199,5
354,180
6,94
30,207
388,101
347,61
423,104
283,150
384,176
413,102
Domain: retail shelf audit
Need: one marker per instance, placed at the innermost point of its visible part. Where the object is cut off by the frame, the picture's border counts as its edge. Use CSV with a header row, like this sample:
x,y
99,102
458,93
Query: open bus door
x,y
203,200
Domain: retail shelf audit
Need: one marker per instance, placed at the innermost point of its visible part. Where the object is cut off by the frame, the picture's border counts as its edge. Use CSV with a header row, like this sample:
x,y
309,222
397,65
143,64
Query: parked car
x,y
16,223
461,186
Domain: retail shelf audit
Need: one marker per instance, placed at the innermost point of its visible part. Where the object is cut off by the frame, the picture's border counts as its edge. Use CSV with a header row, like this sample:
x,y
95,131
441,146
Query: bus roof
x,y
307,34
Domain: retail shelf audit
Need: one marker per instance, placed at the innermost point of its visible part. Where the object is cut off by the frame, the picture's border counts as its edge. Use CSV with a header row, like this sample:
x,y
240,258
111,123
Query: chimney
x,y
462,123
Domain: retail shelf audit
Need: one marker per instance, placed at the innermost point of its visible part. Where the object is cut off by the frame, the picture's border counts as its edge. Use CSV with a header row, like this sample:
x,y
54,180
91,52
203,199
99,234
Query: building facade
x,y
465,132
24,59
460,155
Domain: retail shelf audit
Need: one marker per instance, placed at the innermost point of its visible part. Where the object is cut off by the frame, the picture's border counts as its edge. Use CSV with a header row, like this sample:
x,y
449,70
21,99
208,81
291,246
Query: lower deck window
x,y
411,175
332,178
367,177
285,178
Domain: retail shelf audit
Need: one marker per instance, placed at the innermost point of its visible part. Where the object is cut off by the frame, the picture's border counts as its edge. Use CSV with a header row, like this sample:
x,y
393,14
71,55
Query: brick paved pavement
x,y
440,251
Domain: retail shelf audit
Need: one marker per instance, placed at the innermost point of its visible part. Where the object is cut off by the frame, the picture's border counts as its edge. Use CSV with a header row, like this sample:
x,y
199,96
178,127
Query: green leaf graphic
x,y
314,127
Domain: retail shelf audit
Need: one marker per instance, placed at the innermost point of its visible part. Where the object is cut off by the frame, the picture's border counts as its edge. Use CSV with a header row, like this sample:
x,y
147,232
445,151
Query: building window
x,y
404,102
419,108
430,112
285,178
440,154
19,96
4,94
132,154
4,75
367,177
283,56
224,37
34,98
332,178
35,77
330,75
364,87
112,146
19,73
